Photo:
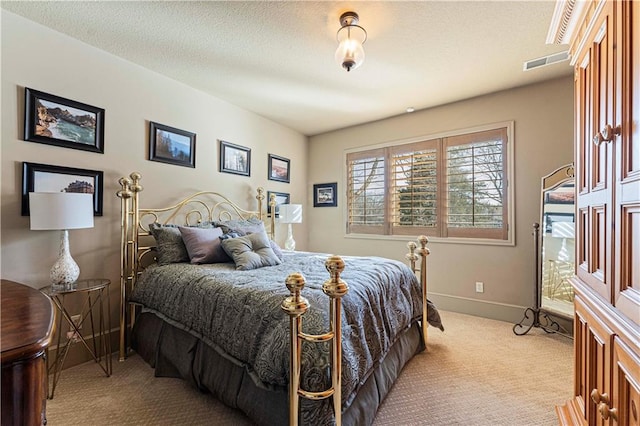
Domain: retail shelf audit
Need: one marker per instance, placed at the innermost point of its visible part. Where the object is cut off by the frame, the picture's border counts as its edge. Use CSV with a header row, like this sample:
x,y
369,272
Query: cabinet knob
x,y
607,134
598,397
606,412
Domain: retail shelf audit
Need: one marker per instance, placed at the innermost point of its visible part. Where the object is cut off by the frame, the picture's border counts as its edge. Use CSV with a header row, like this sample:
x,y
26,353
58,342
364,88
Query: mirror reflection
x,y
557,235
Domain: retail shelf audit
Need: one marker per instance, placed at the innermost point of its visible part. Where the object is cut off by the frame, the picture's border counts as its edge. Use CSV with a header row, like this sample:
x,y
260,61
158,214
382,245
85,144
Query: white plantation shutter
x,y
366,192
476,185
414,188
449,187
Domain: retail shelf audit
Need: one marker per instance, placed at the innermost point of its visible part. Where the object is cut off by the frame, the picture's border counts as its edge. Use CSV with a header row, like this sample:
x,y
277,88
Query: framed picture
x,y
47,178
53,120
278,168
281,198
172,146
325,195
235,159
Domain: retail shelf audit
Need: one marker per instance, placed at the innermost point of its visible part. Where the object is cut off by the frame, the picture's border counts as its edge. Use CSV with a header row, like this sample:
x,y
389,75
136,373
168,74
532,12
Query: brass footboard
x,y
295,306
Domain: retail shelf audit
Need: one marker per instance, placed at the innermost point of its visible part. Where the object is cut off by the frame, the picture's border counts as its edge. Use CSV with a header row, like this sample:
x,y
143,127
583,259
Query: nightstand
x,y
95,297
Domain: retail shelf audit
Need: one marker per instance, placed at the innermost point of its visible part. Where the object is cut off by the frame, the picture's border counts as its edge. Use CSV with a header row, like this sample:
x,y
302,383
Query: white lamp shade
x,y
60,210
290,213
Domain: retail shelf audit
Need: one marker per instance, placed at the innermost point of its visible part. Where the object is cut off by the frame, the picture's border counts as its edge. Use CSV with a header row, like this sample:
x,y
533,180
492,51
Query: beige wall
x,y
543,116
37,57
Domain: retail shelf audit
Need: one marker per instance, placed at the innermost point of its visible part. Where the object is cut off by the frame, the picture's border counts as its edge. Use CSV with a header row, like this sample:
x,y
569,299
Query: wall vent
x,y
547,60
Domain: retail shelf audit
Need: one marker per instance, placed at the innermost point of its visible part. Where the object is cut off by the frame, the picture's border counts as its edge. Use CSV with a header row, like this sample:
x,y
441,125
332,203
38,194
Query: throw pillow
x,y
204,244
251,251
169,245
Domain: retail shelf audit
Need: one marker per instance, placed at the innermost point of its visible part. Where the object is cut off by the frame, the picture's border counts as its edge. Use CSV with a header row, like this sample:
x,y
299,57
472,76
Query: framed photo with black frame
x,y
235,159
281,198
325,195
172,146
279,168
46,178
54,120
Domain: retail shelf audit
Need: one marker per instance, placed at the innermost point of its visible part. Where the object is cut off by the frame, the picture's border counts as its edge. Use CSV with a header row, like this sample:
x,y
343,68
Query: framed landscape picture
x,y
325,195
53,120
281,198
278,168
235,159
47,178
172,146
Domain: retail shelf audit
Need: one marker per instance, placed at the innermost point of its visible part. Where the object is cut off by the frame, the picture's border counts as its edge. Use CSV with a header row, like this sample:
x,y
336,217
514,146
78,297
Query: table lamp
x,y
61,211
290,213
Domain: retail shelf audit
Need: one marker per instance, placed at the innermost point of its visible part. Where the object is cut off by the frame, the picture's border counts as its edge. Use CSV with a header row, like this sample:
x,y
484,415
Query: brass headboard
x,y
137,249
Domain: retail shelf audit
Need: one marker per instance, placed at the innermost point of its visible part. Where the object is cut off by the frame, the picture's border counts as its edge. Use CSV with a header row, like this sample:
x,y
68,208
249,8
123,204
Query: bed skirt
x,y
173,352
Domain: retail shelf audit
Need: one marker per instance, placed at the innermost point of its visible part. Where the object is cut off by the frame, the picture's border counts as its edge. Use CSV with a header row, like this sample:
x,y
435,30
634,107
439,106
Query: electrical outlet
x,y
72,334
76,321
479,287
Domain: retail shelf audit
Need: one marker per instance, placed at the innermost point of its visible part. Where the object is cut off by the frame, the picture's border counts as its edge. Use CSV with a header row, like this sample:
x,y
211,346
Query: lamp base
x,y
290,243
65,271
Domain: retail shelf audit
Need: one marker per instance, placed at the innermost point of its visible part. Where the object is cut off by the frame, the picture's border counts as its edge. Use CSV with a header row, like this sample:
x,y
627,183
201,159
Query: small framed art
x,y
281,198
278,168
235,159
53,120
172,146
325,194
47,178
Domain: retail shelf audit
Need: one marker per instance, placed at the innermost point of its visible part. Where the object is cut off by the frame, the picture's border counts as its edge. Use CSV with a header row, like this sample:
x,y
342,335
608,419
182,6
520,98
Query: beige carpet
x,y
475,373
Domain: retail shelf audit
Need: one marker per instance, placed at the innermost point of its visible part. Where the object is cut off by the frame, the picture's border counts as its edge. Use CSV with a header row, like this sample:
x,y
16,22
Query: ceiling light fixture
x,y
351,37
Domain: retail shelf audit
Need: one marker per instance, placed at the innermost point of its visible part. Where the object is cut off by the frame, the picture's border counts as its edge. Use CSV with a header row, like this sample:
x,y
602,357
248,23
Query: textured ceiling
x,y
277,58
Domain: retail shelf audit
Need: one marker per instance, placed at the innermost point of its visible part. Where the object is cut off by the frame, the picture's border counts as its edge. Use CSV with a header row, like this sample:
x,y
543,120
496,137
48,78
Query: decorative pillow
x,y
169,245
204,244
276,249
251,251
241,226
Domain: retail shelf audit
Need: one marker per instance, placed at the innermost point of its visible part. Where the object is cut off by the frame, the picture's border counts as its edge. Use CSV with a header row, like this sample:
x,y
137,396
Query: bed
x,y
237,328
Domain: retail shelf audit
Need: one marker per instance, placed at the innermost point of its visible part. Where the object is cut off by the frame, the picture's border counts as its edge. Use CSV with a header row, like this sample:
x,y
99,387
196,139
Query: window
x,y
448,187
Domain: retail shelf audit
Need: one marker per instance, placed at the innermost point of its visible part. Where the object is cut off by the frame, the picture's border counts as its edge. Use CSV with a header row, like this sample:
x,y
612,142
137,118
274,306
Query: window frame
x,y
471,235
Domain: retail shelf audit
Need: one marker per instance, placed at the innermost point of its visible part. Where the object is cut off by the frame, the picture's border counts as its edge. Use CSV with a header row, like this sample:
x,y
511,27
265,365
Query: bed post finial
x,y
260,198
335,286
294,305
412,256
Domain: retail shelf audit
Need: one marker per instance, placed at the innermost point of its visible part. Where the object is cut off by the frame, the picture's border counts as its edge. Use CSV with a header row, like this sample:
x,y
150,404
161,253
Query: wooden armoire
x,y
604,44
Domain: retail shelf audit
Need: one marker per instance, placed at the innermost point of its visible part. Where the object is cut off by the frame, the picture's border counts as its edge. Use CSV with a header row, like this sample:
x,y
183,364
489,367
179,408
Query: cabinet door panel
x,y
596,344
627,163
626,384
595,113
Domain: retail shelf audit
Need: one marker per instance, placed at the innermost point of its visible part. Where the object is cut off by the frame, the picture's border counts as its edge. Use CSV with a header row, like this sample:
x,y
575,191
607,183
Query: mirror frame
x,y
538,316
551,181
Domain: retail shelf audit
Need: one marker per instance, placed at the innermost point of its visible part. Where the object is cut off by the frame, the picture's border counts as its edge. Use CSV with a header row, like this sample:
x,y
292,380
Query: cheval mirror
x,y
554,242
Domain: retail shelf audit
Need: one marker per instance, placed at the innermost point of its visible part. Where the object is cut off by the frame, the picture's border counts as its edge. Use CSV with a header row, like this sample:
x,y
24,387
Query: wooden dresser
x,y
604,40
26,325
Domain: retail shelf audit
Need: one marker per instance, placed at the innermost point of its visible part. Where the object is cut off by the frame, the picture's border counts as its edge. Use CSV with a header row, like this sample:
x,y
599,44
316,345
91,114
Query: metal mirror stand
x,y
557,215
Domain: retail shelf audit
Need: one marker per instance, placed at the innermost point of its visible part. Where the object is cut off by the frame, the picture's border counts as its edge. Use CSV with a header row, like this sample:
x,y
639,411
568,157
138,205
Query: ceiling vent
x,y
547,60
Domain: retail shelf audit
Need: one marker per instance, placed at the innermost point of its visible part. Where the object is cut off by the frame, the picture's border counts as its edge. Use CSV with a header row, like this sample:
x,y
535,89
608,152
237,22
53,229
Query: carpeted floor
x,y
475,373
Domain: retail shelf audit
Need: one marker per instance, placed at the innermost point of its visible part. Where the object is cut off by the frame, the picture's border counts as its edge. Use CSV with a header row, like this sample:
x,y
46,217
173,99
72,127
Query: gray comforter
x,y
238,313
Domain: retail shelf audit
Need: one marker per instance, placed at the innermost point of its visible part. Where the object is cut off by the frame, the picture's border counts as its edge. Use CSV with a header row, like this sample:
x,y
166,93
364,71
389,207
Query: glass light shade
x,y
350,53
